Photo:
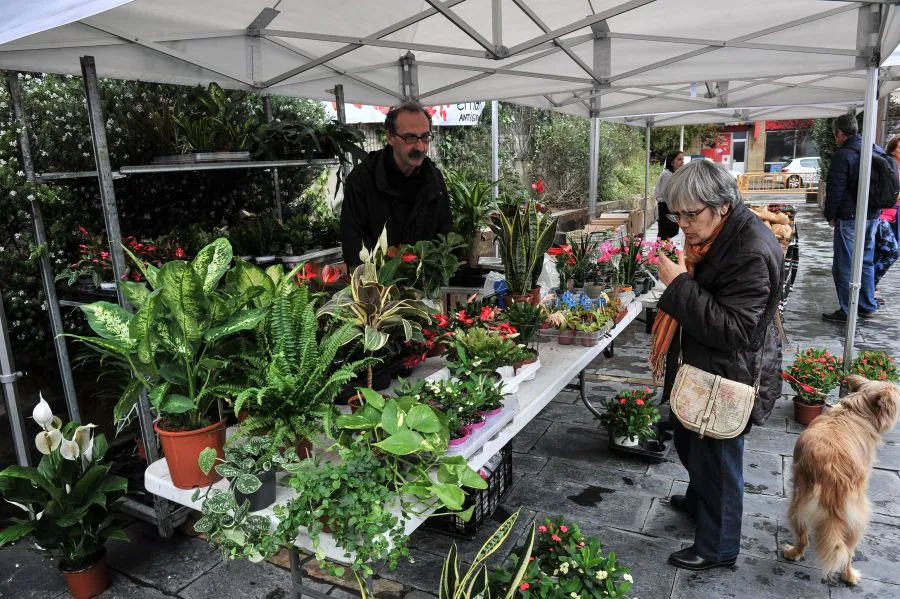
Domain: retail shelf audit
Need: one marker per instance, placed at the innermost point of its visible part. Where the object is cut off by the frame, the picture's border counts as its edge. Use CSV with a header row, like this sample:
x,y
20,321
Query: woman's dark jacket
x,y
726,308
376,195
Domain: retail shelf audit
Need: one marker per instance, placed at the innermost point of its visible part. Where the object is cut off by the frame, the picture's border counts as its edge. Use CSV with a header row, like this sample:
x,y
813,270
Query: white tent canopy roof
x,y
635,57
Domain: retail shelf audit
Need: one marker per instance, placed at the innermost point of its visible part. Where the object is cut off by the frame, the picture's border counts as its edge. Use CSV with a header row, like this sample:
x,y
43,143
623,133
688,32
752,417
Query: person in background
x,y
666,229
397,187
840,212
887,235
717,314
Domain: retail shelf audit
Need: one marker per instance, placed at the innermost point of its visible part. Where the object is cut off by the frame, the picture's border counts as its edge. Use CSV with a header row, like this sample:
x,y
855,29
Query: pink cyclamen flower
x,y
542,528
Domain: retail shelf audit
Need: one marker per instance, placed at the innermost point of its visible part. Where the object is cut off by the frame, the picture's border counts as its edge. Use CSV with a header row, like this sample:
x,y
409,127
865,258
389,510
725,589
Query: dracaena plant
x,y
292,381
67,496
524,235
175,343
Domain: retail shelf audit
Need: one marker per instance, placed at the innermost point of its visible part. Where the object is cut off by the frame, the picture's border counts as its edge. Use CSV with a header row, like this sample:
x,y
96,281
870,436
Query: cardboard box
x,y
635,222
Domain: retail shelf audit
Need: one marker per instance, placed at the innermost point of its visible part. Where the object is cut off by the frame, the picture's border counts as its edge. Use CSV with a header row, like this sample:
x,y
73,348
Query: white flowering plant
x,y
564,564
67,496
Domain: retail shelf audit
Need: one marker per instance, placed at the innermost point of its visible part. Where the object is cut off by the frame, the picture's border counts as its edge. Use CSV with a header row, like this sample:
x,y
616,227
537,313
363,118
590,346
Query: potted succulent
x,y
524,235
875,366
290,382
813,375
562,563
630,416
174,345
68,498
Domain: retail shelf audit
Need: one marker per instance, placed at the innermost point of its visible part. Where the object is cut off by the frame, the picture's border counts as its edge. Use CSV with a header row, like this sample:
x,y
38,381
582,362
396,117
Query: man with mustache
x,y
398,187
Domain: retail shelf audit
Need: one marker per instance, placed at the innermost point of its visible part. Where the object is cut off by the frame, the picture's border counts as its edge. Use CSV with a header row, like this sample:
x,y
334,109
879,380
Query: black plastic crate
x,y
485,501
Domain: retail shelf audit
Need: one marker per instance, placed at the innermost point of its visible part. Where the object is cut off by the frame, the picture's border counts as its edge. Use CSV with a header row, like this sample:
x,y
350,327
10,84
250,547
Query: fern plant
x,y
292,383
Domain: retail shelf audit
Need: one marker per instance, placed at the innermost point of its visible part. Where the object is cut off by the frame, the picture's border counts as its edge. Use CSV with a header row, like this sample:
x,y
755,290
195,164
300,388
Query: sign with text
x,y
443,115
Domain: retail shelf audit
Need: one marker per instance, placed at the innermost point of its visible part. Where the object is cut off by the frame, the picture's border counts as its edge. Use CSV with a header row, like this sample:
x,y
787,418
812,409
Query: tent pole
x,y
114,235
8,378
647,178
862,205
594,166
681,140
276,185
495,148
46,267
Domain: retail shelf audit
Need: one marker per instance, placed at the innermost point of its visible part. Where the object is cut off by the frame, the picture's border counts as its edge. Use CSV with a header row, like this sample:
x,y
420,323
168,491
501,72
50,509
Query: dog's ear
x,y
885,406
854,382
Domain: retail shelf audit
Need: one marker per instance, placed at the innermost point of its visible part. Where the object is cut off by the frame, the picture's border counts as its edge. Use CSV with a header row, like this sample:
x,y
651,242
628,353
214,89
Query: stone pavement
x,y
562,465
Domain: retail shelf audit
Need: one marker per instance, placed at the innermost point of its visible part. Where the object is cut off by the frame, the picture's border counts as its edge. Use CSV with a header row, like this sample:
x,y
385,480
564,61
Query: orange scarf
x,y
665,326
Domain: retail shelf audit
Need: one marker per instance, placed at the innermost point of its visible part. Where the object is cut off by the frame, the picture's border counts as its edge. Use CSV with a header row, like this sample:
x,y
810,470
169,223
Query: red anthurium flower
x,y
330,273
538,186
442,321
307,273
409,257
486,313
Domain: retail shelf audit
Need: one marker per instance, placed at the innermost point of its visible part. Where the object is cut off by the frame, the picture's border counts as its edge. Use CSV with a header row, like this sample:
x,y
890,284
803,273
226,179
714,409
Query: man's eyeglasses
x,y
688,216
412,138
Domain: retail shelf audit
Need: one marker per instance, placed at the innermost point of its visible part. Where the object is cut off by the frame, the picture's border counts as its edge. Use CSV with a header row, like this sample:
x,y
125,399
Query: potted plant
x,y
290,382
563,563
471,204
526,319
813,375
524,235
67,497
432,263
249,466
630,416
593,325
493,348
224,123
875,366
175,345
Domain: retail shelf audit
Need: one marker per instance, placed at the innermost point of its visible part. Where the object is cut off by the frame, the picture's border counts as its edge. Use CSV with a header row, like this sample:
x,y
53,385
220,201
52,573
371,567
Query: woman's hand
x,y
668,270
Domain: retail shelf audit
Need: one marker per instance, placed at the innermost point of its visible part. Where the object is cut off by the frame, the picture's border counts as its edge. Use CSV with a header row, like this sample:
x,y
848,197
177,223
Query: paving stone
x,y
767,506
529,435
572,470
888,456
869,589
244,579
568,413
567,398
573,442
120,587
751,577
424,574
167,564
763,439
884,492
584,503
775,423
527,463
671,468
25,574
787,475
666,522
762,473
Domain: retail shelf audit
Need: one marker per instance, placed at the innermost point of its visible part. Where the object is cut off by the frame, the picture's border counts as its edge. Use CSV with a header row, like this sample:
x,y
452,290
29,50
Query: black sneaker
x,y
836,316
866,314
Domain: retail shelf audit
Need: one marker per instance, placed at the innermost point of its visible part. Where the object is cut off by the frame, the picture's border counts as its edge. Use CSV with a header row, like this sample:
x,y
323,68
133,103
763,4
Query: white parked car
x,y
800,172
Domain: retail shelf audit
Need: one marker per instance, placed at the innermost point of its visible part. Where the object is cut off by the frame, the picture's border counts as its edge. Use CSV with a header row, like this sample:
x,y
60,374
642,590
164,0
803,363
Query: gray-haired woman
x,y
721,295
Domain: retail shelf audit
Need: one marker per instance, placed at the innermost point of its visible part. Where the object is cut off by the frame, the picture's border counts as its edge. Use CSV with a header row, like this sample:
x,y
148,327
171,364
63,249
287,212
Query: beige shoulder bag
x,y
710,405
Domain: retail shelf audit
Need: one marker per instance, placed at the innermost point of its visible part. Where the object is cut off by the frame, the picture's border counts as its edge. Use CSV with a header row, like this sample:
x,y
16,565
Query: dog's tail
x,y
832,527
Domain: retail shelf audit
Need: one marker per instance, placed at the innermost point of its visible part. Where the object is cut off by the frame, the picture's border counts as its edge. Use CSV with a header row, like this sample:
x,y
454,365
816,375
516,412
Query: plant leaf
x,y
423,419
402,443
207,459
109,321
211,263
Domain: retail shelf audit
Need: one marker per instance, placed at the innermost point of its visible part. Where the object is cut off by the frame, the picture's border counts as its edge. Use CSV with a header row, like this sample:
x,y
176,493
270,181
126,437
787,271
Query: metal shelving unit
x,y
161,512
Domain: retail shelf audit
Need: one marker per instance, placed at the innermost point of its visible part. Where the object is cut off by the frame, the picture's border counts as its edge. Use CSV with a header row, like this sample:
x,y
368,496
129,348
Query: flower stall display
x,y
575,262
813,375
68,497
564,563
875,366
524,235
630,416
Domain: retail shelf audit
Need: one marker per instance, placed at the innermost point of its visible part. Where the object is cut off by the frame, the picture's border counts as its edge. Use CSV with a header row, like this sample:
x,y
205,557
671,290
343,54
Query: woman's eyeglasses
x,y
412,138
688,216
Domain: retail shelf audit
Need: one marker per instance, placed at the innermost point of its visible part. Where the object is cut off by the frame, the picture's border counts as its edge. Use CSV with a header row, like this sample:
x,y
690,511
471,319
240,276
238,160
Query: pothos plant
x,y
173,343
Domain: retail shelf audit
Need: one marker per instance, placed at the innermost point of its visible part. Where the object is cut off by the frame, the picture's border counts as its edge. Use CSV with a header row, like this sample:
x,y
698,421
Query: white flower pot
x,y
625,441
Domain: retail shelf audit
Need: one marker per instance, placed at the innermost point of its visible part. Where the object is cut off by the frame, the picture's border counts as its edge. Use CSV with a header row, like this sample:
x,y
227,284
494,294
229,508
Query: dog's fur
x,y
833,459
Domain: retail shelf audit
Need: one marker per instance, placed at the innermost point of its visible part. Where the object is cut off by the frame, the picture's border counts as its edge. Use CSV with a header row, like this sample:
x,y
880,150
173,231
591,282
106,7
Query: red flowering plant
x,y
575,262
564,564
875,366
630,414
813,375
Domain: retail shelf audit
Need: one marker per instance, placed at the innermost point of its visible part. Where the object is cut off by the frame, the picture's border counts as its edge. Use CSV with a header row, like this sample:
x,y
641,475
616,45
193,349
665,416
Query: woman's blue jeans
x,y
715,495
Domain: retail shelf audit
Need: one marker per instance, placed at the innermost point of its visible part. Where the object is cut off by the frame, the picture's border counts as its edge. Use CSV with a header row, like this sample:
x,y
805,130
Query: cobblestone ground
x,y
562,465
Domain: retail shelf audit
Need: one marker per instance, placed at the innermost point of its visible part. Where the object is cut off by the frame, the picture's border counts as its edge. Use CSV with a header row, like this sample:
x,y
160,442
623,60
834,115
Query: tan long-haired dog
x,y
833,459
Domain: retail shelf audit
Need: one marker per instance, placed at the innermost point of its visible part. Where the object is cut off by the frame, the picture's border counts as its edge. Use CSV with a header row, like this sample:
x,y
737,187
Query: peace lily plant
x,y
67,497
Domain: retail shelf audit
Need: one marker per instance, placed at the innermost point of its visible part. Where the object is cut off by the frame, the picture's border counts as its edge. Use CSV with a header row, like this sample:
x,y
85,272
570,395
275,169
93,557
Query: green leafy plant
x,y
492,348
257,235
433,263
524,235
526,318
875,366
174,343
224,122
67,496
471,205
564,563
630,414
814,374
292,380
244,461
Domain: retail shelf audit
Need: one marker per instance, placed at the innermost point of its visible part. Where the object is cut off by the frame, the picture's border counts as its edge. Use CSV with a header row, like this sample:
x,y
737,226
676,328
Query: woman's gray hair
x,y
704,181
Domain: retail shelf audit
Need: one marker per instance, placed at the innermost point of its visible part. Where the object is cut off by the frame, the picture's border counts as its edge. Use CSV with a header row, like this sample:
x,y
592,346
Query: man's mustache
x,y
416,154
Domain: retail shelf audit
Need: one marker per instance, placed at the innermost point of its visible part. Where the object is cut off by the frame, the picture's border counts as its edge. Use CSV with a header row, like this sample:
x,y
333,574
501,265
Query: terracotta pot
x,y
805,413
89,582
566,337
324,520
533,297
182,450
355,403
141,448
621,315
243,415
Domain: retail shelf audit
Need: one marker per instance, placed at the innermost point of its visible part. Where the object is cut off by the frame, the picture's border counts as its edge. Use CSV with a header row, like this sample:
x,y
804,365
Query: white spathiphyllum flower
x,y
42,413
68,488
87,454
83,436
48,441
39,515
383,240
69,450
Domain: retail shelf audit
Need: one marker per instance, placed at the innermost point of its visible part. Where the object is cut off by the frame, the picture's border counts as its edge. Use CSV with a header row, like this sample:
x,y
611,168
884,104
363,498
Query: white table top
x,y
559,365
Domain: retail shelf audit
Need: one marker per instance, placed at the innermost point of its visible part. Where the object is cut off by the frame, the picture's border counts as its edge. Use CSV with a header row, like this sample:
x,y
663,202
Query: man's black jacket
x,y
726,307
370,203
843,182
